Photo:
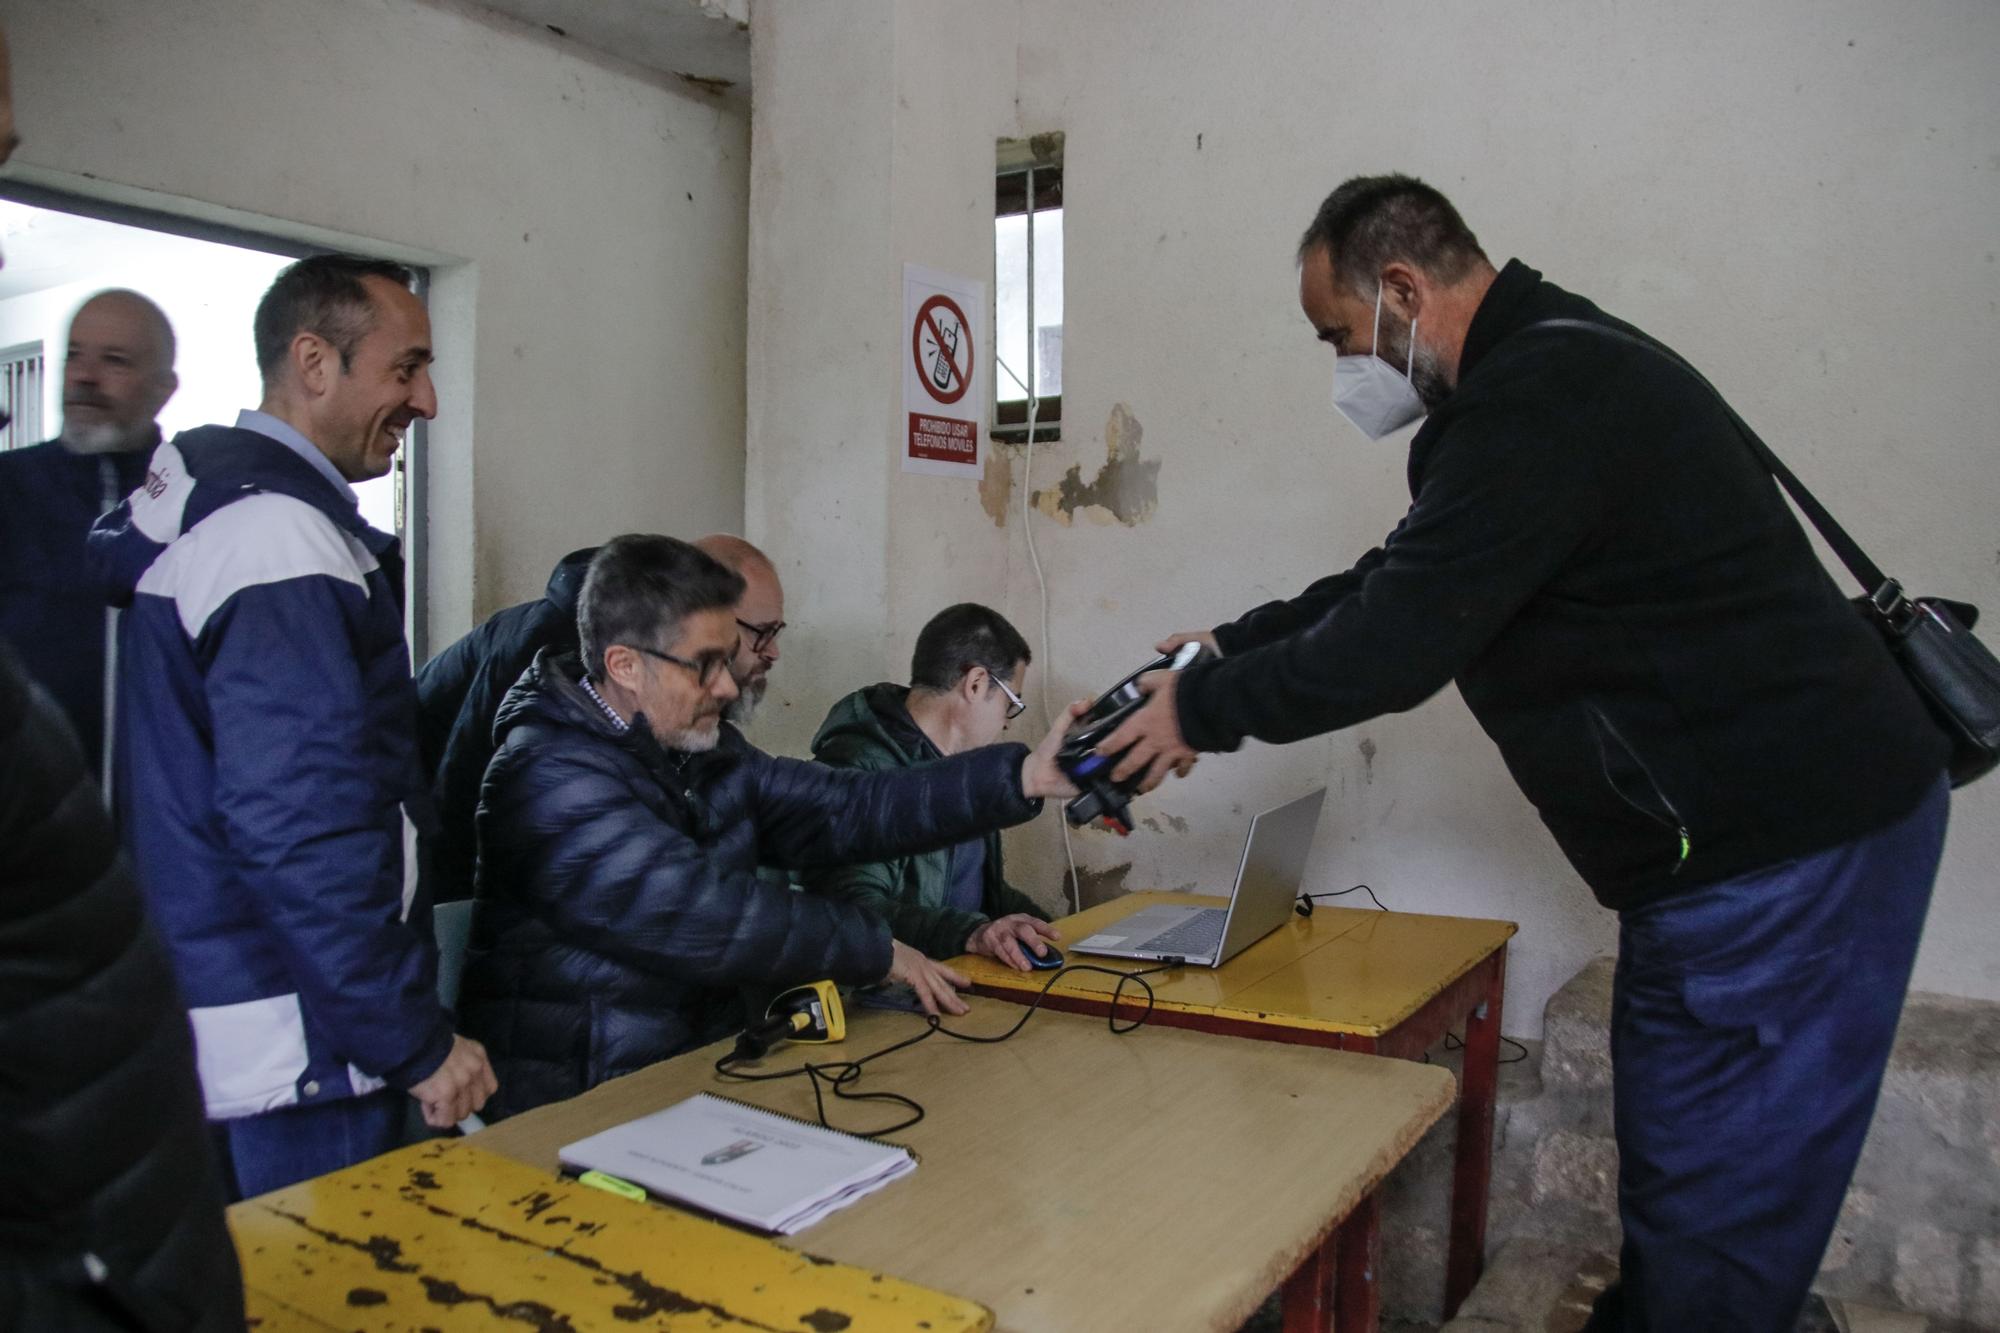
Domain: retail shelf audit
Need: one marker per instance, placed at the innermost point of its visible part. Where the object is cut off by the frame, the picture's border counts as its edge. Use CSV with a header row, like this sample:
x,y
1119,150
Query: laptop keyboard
x,y
1199,935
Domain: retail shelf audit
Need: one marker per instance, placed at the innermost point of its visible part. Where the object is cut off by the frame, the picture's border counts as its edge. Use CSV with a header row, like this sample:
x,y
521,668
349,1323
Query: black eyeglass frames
x,y
762,636
704,667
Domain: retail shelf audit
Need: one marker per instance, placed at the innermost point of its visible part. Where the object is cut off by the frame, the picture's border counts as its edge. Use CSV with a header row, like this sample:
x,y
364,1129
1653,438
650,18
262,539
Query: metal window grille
x,y
21,395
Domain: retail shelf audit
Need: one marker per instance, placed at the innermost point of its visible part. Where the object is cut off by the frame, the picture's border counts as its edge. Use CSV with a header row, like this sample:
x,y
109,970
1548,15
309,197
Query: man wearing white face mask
x,y
1372,394
1723,749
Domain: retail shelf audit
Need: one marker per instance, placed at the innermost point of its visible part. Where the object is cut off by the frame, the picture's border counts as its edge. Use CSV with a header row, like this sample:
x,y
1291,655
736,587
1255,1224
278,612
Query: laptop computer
x,y
1267,883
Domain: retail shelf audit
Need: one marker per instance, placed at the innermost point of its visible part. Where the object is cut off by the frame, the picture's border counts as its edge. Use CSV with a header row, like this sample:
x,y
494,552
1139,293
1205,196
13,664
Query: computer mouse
x,y
1047,962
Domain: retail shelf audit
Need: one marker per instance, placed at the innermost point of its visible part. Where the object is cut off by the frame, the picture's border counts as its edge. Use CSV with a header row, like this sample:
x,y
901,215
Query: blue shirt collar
x,y
269,426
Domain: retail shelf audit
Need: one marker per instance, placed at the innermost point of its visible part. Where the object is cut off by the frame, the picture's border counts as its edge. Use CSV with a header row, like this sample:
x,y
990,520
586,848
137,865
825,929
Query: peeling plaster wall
x,y
1125,490
584,219
1801,197
869,149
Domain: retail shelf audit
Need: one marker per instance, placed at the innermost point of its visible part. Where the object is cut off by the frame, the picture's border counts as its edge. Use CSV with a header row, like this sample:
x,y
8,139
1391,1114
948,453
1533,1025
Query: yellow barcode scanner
x,y
808,1013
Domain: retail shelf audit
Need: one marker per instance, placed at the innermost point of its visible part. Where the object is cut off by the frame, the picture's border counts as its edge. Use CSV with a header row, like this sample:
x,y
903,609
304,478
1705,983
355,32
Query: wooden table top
x,y
1342,969
445,1235
448,1237
1070,1178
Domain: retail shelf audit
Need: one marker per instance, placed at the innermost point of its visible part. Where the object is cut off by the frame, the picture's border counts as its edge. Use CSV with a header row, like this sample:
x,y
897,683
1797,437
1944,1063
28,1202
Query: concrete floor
x,y
1548,1289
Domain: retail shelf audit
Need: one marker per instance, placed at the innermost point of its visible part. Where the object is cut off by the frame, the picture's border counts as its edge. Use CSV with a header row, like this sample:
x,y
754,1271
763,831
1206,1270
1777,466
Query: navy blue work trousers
x,y
1751,1022
260,1153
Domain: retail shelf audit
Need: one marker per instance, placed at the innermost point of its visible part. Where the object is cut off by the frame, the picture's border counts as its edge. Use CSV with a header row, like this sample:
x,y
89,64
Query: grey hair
x,y
638,590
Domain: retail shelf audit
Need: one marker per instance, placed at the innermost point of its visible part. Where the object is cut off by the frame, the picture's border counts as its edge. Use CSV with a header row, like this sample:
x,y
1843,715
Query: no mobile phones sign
x,y
943,373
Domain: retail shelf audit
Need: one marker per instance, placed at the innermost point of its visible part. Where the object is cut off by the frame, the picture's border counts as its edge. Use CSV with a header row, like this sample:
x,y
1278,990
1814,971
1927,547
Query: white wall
x,y
584,220
1800,196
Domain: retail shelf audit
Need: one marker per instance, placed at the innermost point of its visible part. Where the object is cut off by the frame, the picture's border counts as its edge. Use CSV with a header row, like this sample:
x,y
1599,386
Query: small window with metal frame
x,y
1028,289
21,395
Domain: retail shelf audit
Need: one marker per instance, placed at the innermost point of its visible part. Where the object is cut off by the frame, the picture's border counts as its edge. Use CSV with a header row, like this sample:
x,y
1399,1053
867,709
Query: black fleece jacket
x,y
1627,605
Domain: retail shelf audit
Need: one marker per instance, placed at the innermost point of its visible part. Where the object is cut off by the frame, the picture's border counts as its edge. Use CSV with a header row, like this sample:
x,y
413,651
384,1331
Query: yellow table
x,y
1074,1180
1385,983
446,1236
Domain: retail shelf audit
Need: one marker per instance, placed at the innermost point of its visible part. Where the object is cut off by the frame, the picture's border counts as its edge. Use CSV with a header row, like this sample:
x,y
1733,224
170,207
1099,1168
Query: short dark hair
x,y
321,294
962,637
639,588
1372,220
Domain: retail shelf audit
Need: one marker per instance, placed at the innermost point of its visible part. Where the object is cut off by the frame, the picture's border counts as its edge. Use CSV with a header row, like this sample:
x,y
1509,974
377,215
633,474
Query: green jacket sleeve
x,y
880,887
889,889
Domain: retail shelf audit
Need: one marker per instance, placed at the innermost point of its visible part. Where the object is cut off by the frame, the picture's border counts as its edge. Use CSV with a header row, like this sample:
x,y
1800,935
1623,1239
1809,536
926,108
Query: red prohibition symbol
x,y
941,342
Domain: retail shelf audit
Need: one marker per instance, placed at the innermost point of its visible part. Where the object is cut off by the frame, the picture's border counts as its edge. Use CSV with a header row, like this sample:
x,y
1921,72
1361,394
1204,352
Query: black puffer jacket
x,y
619,912
458,695
109,1198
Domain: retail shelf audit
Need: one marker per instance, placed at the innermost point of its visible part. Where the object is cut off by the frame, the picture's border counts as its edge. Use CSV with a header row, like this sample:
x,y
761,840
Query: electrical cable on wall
x,y
1042,584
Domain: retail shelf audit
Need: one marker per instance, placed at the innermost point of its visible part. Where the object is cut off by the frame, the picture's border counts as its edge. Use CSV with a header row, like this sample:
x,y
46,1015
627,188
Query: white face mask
x,y
1373,394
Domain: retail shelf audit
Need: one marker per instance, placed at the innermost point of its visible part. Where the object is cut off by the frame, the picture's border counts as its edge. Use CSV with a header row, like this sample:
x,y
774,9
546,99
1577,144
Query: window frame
x,y
1028,179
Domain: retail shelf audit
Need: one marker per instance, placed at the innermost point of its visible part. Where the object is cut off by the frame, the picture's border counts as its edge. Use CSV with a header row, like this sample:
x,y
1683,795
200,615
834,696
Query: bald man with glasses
x,y
760,614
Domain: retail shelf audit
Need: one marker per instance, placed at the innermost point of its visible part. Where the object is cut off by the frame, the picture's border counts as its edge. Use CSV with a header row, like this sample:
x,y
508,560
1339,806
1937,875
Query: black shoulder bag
x,y
1931,638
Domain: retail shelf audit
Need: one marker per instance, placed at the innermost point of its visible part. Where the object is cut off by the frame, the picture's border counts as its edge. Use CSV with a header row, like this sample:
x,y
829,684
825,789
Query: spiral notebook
x,y
742,1163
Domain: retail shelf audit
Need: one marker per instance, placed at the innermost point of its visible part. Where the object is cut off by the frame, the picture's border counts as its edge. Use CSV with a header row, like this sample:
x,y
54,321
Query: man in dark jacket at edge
x,y
967,678
1724,750
110,1202
619,912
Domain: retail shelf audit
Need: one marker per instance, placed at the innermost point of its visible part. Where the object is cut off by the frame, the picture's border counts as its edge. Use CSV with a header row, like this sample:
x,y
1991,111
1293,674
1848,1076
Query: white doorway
x,y
56,260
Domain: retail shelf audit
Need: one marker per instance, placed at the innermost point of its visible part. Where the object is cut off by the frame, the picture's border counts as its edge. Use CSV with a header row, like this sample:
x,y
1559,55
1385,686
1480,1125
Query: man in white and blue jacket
x,y
270,740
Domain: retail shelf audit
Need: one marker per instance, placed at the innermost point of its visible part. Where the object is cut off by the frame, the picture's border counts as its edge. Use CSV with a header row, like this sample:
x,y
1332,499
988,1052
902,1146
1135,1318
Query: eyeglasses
x,y
1015,704
762,636
704,667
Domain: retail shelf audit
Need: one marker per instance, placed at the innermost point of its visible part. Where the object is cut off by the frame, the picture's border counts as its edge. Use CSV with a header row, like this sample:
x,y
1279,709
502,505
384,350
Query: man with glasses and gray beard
x,y
459,690
620,916
118,372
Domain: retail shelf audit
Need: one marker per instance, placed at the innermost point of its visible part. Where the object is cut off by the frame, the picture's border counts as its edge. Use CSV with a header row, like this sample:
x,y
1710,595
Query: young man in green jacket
x,y
966,679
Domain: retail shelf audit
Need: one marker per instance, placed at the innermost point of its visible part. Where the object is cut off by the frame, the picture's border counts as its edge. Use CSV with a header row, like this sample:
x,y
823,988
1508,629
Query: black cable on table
x,y
1304,906
837,1075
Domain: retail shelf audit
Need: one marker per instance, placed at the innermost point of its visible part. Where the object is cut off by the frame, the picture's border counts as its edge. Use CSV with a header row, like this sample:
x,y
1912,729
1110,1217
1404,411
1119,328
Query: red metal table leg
x,y
1306,1299
1357,1286
1473,1170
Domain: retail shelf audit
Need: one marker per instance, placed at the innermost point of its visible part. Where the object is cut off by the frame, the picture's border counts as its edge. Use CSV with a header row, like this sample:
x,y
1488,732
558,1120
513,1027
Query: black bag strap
x,y
1883,592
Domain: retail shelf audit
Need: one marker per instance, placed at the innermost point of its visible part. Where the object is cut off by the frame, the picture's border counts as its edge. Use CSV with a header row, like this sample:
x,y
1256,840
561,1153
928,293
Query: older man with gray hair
x,y
118,372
